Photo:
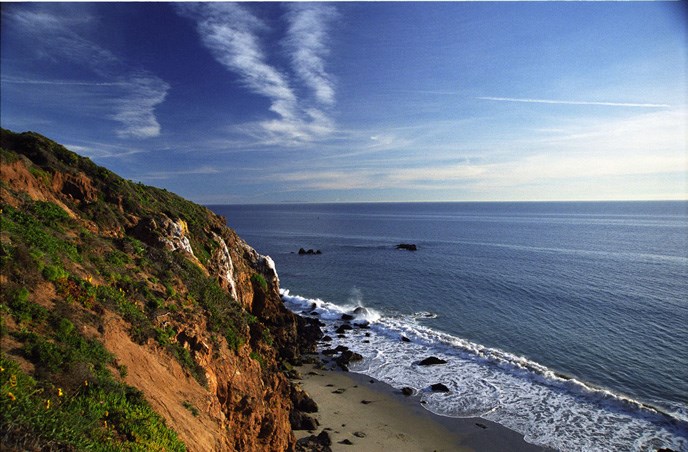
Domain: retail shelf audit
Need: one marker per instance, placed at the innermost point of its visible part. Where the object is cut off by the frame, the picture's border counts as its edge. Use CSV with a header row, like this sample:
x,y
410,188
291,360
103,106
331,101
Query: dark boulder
x,y
405,339
346,357
439,387
407,246
302,421
303,402
302,252
407,391
343,329
312,443
347,317
432,360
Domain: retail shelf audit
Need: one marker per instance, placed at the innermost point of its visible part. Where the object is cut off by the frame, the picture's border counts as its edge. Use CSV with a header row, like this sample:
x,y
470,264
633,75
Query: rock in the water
x,y
405,339
347,317
407,246
326,339
432,360
346,357
343,328
407,391
439,387
302,251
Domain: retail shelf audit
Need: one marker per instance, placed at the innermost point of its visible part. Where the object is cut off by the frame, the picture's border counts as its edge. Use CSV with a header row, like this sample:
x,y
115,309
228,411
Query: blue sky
x,y
358,101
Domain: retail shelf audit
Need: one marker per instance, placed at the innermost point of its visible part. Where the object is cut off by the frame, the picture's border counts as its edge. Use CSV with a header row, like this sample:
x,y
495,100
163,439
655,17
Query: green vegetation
x,y
95,414
260,281
189,406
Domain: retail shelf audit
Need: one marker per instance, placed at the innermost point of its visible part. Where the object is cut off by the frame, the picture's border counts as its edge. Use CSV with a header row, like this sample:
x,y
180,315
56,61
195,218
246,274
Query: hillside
x,y
133,319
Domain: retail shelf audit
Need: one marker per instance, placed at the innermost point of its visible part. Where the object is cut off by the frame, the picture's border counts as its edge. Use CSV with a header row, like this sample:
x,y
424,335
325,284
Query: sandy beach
x,y
364,414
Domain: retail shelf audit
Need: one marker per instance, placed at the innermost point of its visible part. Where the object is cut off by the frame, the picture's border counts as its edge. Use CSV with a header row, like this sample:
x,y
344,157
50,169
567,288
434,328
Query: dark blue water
x,y
573,310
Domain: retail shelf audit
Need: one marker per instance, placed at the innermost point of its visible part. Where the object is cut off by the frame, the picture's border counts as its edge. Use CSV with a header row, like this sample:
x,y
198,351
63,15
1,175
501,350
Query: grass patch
x,y
100,415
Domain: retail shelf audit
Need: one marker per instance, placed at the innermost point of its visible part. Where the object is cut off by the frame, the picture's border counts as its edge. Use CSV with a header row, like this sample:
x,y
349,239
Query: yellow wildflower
x,y
2,369
85,382
47,404
11,396
59,392
13,380
89,279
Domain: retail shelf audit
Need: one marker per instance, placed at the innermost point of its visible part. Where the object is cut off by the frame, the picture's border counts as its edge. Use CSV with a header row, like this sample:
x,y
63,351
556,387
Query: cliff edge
x,y
132,318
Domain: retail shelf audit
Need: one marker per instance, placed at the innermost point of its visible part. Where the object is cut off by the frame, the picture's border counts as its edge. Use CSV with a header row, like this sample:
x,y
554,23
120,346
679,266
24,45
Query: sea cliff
x,y
135,319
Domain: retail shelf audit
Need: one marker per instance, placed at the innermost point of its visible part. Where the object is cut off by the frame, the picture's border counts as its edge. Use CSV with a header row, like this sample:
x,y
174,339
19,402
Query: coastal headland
x,y
133,318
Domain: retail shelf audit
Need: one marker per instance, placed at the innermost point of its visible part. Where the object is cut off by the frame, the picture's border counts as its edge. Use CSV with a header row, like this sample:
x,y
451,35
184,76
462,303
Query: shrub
x,y
260,280
25,310
189,406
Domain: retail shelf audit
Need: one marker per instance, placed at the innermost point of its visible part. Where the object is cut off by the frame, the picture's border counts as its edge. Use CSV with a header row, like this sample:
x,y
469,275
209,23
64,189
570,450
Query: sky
x,y
271,102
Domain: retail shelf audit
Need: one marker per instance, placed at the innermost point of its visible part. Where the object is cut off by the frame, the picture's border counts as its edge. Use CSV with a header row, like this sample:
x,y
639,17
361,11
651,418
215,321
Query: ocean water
x,y
567,322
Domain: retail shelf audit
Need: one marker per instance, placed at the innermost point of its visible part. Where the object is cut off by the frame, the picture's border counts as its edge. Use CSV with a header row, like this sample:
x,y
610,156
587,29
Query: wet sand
x,y
363,414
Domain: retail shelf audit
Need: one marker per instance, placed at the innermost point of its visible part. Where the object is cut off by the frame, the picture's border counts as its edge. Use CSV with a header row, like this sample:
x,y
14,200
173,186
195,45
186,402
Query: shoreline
x,y
364,414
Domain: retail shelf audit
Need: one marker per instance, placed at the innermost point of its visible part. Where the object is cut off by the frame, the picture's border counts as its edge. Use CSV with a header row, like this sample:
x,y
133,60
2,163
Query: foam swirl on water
x,y
548,408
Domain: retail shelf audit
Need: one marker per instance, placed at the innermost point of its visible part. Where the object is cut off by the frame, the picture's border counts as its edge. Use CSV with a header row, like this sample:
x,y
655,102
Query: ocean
x,y
564,321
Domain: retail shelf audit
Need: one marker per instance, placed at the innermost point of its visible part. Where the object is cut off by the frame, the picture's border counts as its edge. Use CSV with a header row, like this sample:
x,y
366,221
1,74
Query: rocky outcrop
x,y
78,187
221,265
162,230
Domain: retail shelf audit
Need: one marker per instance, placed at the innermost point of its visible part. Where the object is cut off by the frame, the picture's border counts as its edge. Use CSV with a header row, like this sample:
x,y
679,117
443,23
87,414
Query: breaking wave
x,y
546,407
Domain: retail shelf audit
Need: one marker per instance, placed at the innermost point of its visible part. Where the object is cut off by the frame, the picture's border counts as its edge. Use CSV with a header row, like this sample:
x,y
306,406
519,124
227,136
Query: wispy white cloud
x,y
206,169
57,33
575,102
102,150
23,81
136,108
307,43
576,159
232,34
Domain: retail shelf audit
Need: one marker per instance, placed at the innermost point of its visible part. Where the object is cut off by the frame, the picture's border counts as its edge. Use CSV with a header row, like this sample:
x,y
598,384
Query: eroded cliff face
x,y
190,312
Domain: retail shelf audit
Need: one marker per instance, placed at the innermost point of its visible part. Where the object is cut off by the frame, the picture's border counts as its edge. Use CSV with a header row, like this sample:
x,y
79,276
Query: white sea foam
x,y
549,409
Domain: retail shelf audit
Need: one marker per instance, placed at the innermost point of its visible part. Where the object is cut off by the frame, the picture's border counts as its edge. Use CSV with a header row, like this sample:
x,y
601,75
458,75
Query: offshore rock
x,y
431,361
439,387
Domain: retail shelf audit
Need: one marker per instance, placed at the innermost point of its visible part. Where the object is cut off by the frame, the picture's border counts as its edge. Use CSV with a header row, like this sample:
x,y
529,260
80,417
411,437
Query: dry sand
x,y
373,416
